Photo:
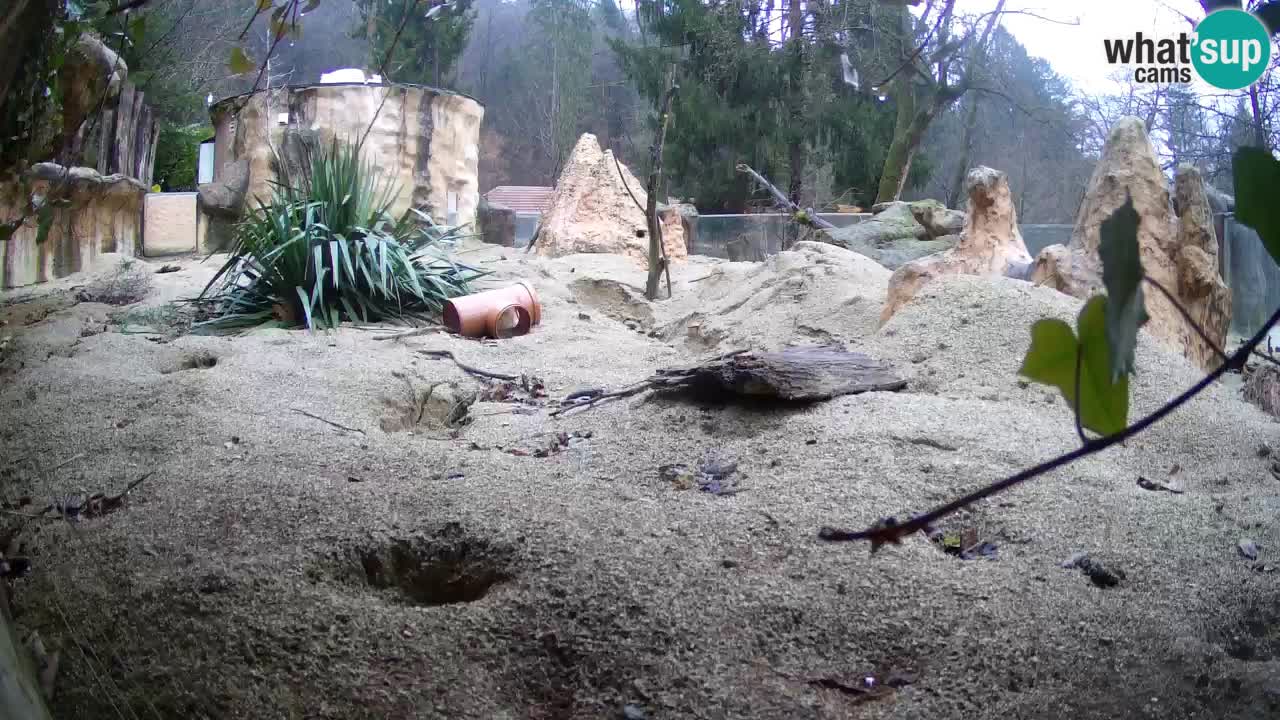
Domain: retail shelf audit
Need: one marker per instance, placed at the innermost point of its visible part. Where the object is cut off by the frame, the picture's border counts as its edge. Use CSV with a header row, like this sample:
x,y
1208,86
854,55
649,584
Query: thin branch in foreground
x,y
890,530
1186,315
382,72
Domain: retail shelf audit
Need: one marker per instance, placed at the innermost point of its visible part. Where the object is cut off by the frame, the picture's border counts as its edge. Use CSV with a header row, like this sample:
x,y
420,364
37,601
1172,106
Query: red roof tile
x,y
521,198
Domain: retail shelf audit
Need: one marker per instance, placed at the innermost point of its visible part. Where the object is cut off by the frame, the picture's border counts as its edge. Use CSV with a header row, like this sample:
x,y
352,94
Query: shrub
x,y
127,284
326,249
178,156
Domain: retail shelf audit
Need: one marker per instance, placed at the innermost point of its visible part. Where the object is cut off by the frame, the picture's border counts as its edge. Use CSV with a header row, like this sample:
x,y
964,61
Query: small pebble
x,y
631,712
1248,549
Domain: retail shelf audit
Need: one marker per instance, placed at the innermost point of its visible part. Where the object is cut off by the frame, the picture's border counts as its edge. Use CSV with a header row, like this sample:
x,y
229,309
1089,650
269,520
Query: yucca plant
x,y
326,249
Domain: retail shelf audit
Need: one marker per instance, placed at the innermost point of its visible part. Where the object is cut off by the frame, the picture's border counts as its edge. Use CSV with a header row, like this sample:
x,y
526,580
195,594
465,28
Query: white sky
x,y
1076,52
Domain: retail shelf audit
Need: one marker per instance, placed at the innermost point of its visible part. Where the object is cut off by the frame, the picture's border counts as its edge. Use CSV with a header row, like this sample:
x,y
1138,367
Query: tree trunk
x,y
798,106
966,152
896,159
657,253
1259,132
906,141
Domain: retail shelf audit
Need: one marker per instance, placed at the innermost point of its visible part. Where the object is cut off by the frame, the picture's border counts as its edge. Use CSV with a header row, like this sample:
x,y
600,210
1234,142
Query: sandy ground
x,y
276,566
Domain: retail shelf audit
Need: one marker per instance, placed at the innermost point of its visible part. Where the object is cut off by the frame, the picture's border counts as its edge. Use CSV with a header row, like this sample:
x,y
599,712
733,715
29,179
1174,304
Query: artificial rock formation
x,y
1178,252
900,232
990,243
221,205
103,215
936,218
597,209
426,141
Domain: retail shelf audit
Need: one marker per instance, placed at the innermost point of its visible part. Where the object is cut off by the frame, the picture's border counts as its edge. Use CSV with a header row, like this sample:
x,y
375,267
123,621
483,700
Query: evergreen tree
x,y
425,38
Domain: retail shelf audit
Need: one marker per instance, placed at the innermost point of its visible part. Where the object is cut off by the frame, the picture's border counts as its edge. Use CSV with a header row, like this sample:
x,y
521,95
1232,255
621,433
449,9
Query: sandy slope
x,y
237,582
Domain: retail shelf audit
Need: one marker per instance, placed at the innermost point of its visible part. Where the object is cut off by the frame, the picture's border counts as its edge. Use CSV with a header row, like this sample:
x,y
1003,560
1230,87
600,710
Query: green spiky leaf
x,y
1122,275
1256,174
1052,360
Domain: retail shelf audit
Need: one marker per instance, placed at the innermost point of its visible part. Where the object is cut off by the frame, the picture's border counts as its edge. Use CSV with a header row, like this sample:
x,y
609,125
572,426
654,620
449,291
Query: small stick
x,y
592,400
340,426
467,368
412,333
66,462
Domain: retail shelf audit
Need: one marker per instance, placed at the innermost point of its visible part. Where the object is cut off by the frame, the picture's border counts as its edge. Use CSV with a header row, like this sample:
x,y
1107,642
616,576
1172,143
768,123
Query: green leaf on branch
x,y
240,63
137,29
1122,276
1256,175
44,221
1052,360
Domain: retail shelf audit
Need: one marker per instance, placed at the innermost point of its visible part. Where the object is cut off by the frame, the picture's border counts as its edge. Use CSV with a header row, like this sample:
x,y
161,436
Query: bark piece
x,y
803,374
795,374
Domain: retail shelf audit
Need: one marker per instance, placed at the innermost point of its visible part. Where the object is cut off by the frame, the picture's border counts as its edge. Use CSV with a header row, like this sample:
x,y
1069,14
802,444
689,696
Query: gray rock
x,y
1248,549
225,198
895,222
891,238
937,219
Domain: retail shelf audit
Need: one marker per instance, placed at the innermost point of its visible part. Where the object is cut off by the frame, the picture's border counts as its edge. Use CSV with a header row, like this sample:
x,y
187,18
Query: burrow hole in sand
x,y
194,361
445,568
1255,635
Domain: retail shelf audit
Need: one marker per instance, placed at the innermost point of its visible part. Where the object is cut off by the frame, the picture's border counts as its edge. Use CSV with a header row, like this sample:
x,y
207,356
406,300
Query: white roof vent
x,y
348,75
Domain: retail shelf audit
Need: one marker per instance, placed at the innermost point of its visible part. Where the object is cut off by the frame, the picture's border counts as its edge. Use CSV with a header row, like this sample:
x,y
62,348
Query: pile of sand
x,y
276,565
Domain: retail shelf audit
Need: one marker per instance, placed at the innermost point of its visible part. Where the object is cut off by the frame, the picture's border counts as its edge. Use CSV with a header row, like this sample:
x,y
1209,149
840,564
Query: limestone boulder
x,y
1200,285
900,252
497,223
92,74
225,198
1180,252
893,223
937,219
597,208
221,205
989,244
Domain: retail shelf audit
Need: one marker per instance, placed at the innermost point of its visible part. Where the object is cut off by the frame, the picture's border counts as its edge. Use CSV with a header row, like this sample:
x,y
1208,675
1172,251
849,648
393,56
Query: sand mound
x,y
276,564
815,293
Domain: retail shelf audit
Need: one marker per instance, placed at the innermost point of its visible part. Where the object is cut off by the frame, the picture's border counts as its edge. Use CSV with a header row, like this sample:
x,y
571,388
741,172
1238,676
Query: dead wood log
x,y
800,215
805,374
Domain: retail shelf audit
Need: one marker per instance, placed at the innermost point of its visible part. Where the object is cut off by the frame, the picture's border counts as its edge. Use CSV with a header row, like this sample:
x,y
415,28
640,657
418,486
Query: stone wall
x,y
110,135
103,215
426,140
